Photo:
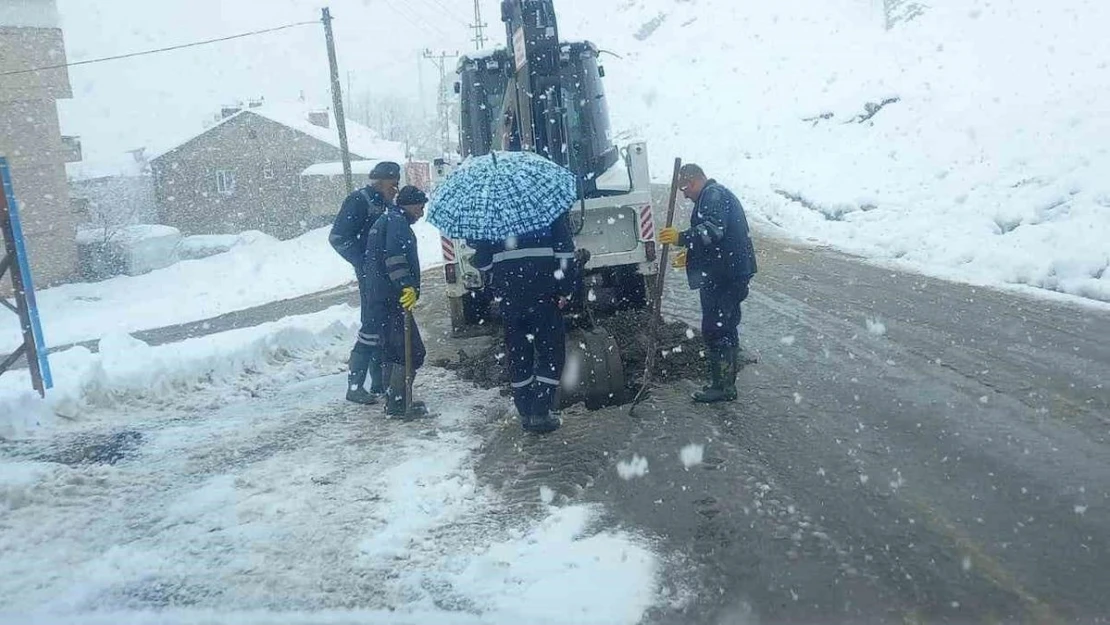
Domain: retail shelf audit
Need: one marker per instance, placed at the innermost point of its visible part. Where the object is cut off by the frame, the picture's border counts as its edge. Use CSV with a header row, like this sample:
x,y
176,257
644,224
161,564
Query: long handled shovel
x,y
408,363
657,295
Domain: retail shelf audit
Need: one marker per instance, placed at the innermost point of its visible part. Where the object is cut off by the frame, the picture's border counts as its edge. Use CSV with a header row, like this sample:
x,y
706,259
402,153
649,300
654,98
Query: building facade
x,y
244,173
30,136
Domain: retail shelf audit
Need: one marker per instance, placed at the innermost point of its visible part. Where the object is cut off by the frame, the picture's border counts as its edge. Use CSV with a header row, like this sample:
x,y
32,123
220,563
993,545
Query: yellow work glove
x,y
408,298
669,236
679,261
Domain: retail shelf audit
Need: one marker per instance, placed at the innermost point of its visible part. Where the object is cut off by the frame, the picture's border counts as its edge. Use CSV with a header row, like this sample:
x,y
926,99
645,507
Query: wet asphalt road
x,y
947,462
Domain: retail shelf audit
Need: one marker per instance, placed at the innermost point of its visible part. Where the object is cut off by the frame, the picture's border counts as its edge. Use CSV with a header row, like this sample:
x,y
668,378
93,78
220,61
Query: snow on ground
x,y
989,168
237,486
125,368
262,271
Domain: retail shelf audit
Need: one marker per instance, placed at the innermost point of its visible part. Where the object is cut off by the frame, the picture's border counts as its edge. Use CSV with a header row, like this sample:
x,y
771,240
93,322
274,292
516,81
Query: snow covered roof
x,y
362,142
336,168
116,165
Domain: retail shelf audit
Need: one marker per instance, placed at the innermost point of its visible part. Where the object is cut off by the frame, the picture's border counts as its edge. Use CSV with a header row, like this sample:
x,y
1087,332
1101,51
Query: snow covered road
x,y
286,504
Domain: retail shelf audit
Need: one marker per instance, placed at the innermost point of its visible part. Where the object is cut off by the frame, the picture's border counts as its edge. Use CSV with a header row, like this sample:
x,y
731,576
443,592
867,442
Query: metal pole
x,y
479,36
337,100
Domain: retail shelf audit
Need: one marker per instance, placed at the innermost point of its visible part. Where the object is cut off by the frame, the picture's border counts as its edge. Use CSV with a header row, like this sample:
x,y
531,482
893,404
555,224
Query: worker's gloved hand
x,y
408,298
669,236
679,261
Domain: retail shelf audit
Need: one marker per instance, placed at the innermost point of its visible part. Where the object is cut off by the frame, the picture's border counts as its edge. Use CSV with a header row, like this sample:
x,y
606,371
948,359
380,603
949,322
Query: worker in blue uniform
x,y
359,212
393,275
720,262
533,276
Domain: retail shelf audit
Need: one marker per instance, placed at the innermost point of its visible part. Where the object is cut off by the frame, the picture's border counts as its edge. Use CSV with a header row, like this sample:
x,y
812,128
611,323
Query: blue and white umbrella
x,y
500,195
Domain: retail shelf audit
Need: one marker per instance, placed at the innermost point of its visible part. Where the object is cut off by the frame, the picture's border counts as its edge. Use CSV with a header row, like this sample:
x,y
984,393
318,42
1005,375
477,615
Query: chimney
x,y
320,118
228,111
256,103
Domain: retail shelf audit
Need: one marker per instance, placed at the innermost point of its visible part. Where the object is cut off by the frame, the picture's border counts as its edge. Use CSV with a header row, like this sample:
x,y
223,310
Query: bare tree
x,y
899,11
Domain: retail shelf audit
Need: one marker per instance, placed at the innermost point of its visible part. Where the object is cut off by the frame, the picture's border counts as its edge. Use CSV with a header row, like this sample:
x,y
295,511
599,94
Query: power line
x,y
449,12
432,16
416,22
156,51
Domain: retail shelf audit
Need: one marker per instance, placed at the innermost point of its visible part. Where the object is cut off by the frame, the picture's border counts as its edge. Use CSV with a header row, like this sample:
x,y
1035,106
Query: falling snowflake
x,y
787,340
689,333
559,275
636,467
984,399
691,455
592,296
797,398
966,564
546,495
611,221
863,479
876,327
1081,509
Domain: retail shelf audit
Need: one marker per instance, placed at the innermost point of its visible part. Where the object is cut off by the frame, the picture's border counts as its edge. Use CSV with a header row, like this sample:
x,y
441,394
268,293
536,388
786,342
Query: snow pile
x,y
126,369
204,245
295,505
560,564
257,272
971,142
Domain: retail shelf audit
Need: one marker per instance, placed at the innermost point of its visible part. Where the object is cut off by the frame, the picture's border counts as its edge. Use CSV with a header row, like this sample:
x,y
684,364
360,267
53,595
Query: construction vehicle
x,y
544,95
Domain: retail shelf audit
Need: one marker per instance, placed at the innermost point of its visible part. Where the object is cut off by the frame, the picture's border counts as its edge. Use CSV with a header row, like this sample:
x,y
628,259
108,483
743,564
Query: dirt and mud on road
x,y
681,352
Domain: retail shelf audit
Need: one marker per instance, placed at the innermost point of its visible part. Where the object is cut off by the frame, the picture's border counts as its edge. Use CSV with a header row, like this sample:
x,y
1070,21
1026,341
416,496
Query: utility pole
x,y
337,100
350,94
443,111
478,25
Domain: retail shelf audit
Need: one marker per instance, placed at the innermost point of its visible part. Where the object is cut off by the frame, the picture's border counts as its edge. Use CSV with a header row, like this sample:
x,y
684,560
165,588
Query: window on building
x,y
268,170
225,182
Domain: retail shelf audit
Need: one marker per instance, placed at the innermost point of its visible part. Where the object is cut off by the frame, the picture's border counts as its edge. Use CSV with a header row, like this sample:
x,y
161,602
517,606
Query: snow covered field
x,y
224,480
987,164
266,270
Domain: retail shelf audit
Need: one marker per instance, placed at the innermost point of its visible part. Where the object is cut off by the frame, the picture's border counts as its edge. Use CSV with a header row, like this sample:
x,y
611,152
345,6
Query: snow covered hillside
x,y
258,272
972,141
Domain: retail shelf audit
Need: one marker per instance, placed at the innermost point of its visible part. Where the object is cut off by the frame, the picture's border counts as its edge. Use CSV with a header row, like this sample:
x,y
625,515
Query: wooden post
x,y
337,100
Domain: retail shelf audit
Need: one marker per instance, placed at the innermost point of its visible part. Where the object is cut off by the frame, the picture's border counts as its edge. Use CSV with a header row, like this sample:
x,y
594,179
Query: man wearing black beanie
x,y
393,271
348,236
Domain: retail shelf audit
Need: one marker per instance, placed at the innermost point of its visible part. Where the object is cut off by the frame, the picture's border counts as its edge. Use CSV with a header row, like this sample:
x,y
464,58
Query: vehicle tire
x,y
470,313
633,291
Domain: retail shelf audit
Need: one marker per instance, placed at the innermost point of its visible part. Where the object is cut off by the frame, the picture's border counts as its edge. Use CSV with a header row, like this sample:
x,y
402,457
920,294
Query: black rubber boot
x,y
728,373
377,374
395,396
359,364
542,421
718,359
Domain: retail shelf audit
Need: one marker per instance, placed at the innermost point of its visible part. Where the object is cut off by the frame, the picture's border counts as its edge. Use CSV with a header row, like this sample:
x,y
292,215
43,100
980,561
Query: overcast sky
x,y
152,101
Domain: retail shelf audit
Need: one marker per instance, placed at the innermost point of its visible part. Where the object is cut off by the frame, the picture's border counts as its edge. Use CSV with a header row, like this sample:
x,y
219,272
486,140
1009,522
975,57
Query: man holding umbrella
x,y
393,275
348,236
531,275
512,207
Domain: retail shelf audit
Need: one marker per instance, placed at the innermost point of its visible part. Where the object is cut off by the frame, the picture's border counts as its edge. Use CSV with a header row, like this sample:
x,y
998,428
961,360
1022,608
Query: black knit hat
x,y
411,196
386,170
